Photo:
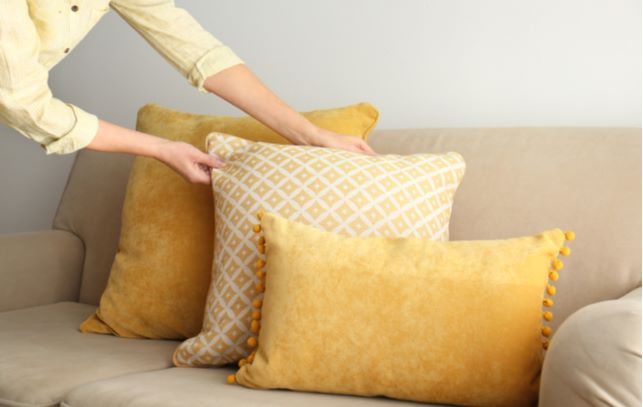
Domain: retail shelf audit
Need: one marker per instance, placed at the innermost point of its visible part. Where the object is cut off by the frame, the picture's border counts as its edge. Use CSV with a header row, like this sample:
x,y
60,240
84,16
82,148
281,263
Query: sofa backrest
x,y
518,181
90,207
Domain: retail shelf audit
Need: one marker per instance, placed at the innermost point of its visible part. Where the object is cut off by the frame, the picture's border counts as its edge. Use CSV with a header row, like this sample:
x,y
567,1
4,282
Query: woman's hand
x,y
327,138
190,162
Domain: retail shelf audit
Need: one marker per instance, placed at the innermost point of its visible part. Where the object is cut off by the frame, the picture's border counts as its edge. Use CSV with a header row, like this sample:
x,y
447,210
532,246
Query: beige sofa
x,y
519,181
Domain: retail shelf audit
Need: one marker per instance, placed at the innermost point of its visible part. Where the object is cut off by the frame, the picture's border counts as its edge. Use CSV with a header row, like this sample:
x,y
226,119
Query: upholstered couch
x,y
519,181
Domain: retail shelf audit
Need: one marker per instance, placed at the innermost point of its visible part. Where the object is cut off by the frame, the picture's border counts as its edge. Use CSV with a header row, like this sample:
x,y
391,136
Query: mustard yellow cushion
x,y
336,190
161,272
458,322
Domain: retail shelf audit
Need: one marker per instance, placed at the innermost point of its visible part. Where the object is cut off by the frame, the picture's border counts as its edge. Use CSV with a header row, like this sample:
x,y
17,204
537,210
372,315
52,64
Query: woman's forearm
x,y
113,138
187,160
240,87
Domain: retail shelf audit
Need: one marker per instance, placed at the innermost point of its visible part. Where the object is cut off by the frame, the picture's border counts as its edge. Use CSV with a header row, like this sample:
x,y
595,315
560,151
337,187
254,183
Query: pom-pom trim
x,y
553,275
255,326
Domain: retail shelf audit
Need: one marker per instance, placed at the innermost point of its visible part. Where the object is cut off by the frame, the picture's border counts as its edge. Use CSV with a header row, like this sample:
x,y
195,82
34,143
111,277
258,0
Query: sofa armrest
x,y
38,268
595,356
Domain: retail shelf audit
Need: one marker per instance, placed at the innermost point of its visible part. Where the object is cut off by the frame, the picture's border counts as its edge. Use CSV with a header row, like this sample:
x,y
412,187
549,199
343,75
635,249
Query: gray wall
x,y
423,63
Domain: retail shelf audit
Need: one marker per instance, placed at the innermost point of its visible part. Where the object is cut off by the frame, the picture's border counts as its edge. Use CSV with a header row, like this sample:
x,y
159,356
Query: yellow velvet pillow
x,y
161,273
456,322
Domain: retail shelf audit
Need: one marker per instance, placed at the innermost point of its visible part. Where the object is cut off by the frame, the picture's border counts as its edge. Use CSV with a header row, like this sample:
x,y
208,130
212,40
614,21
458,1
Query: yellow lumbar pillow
x,y
457,322
161,273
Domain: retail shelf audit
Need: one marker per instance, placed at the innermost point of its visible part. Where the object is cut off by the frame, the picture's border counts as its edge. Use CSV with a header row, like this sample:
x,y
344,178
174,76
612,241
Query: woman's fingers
x,y
190,162
211,160
204,162
199,177
360,146
366,148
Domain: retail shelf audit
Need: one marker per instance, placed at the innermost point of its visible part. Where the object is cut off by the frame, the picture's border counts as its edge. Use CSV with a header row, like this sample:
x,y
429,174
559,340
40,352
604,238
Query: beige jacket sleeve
x,y
26,102
178,37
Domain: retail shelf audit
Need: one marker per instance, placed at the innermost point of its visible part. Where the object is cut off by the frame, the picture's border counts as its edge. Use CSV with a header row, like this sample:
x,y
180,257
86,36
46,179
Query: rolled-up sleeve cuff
x,y
81,134
212,62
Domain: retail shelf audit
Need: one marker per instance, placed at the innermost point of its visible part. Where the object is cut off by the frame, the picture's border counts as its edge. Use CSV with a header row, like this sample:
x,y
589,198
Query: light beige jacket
x,y
36,34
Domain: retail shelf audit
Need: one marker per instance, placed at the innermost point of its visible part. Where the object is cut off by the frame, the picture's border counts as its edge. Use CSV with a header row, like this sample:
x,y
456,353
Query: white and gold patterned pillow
x,y
331,189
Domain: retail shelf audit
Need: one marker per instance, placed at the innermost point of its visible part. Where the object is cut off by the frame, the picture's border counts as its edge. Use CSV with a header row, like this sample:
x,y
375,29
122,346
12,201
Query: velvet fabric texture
x,y
458,322
332,189
161,272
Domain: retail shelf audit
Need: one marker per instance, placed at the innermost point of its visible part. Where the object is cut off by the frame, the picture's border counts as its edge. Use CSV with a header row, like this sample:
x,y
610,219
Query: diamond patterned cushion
x,y
335,190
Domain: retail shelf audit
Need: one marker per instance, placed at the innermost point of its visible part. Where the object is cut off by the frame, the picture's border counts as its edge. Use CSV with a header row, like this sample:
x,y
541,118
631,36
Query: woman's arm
x,y
28,106
240,87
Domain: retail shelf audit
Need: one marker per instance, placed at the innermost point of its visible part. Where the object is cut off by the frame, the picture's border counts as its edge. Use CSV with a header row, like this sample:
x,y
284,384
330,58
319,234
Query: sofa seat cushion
x,y
201,387
43,355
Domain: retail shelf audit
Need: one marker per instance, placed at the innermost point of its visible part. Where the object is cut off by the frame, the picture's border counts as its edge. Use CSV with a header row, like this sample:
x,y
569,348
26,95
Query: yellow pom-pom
x,y
254,326
259,263
565,251
548,315
548,302
261,240
252,341
251,357
260,287
551,290
242,362
570,235
257,303
231,379
260,214
557,264
256,228
553,276
256,314
546,331
262,248
545,345
260,274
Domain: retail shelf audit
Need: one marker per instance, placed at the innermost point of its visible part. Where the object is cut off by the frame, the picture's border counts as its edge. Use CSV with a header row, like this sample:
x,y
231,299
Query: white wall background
x,y
423,63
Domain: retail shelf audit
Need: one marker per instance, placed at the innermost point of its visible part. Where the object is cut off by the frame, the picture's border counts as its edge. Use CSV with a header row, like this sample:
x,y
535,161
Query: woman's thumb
x,y
213,161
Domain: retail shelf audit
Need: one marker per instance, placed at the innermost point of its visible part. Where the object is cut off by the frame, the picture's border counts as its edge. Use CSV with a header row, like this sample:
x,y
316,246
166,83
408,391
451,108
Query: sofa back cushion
x,y
519,181
90,207
523,180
